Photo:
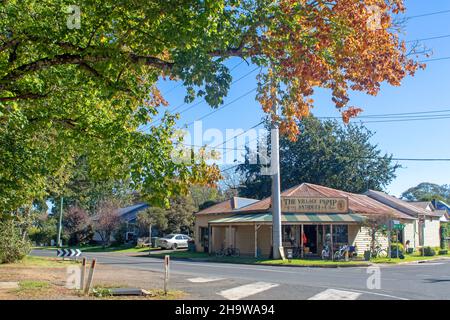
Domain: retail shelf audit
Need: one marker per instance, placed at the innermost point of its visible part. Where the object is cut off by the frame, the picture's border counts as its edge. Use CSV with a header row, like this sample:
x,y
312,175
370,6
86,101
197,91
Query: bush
x,y
12,245
443,252
120,233
394,248
443,232
44,231
427,251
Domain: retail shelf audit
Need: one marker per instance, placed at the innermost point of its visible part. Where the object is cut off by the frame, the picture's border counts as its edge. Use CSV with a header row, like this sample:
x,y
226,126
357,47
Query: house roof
x,y
360,204
129,213
399,204
422,204
228,206
443,214
441,205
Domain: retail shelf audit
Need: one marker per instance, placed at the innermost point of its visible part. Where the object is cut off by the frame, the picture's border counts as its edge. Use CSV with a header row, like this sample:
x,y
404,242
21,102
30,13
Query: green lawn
x,y
408,258
31,261
201,256
98,248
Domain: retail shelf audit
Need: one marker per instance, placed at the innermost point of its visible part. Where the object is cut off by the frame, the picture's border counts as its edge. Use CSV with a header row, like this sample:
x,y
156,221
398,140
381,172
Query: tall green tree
x,y
204,195
326,153
84,189
178,218
426,191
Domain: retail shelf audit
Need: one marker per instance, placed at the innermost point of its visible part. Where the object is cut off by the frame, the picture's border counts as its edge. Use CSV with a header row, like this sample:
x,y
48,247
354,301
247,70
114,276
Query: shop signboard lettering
x,y
314,205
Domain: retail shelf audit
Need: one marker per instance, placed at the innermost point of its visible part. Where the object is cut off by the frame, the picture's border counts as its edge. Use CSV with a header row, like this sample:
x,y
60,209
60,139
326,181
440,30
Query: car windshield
x,y
169,236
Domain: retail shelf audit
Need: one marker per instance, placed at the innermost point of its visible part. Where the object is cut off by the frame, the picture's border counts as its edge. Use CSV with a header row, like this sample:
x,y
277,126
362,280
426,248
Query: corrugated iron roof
x,y
228,206
358,203
398,204
421,204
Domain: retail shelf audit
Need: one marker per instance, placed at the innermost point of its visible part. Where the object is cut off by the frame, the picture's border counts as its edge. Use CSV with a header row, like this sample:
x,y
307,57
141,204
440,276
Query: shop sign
x,y
314,204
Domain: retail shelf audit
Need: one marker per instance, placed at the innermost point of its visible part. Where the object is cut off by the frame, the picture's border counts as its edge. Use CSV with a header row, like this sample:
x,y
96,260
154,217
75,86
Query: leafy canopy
x,y
67,92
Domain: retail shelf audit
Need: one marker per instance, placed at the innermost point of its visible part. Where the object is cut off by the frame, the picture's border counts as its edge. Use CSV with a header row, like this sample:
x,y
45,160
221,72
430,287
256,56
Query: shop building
x,y
310,214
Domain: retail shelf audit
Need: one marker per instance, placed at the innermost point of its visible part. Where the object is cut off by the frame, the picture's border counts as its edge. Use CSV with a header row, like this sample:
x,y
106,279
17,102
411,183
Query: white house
x,y
424,231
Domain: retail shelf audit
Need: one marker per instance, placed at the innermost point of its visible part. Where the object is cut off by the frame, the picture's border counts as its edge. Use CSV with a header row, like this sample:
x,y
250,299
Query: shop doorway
x,y
311,238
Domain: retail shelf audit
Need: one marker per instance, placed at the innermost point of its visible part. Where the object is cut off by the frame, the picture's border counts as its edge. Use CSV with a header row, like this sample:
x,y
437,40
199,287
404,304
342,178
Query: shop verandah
x,y
305,234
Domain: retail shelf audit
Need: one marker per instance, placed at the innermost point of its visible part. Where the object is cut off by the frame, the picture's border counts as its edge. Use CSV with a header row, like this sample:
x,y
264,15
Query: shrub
x,y
443,232
427,251
394,247
13,246
77,226
443,252
44,230
120,233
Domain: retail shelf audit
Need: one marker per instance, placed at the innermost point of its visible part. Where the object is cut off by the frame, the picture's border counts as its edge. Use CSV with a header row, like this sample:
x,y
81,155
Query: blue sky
x,y
429,90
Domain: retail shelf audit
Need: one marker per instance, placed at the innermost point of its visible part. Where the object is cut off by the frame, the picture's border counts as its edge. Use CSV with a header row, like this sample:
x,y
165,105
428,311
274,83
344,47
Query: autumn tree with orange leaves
x,y
79,81
337,45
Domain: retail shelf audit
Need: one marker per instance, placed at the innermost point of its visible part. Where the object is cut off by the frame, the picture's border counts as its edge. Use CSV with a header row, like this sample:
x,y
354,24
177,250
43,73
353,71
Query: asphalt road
x,y
207,280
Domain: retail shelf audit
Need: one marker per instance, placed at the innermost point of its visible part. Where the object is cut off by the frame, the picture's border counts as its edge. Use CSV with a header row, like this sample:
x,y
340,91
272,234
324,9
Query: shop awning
x,y
292,217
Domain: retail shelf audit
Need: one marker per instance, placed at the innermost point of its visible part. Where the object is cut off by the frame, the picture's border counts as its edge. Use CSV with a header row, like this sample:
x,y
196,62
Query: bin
x,y
154,241
367,255
191,246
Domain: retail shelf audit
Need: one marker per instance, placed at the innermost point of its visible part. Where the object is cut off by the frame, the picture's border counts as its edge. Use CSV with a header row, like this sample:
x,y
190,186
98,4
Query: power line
x,y
407,120
237,80
222,107
229,168
423,159
436,59
201,101
370,158
173,88
430,38
427,113
240,134
427,14
237,65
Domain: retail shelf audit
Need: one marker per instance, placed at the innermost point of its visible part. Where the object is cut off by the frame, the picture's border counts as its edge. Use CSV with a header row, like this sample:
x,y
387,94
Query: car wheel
x,y
174,246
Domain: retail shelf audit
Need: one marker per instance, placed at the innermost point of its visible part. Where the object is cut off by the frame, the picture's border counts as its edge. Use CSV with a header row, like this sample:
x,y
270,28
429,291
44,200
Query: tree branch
x,y
23,96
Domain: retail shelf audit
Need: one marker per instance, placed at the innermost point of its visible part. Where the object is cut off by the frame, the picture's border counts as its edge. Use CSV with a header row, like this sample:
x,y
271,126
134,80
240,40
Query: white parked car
x,y
174,241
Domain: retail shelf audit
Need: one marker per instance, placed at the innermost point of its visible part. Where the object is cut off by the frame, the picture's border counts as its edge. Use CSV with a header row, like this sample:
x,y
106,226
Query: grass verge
x,y
201,256
31,261
408,258
98,248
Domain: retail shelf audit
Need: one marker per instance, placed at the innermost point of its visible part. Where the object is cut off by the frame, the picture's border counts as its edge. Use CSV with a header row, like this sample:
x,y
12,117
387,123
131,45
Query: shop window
x,y
288,233
340,234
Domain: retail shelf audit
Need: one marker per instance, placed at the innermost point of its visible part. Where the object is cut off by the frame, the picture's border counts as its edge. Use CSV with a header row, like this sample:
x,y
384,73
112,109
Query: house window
x,y
204,237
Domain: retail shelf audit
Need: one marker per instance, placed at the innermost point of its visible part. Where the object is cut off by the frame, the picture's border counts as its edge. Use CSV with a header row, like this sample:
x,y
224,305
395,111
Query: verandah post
x,y
332,251
301,242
